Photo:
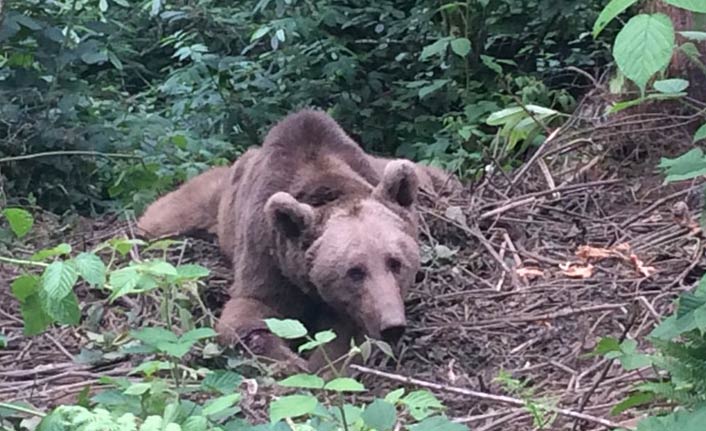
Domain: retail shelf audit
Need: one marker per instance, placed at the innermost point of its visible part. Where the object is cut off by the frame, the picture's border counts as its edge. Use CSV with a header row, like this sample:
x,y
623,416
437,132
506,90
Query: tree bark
x,y
681,65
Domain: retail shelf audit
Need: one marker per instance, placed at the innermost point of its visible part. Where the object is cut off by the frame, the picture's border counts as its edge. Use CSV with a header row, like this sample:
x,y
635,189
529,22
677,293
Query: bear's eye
x,y
394,265
357,273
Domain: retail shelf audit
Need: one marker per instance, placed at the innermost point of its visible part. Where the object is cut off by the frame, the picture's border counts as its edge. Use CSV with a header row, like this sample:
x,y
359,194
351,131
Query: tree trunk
x,y
682,66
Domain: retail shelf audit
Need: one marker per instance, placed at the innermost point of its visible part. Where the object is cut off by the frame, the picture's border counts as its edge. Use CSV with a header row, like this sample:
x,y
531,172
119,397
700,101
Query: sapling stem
x,y
22,262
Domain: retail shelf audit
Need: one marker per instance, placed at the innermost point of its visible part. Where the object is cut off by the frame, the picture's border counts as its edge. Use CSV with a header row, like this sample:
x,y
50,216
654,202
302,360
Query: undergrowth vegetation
x,y
130,97
105,104
163,391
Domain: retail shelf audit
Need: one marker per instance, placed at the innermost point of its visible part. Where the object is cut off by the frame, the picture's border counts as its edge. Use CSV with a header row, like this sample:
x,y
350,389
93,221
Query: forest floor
x,y
525,274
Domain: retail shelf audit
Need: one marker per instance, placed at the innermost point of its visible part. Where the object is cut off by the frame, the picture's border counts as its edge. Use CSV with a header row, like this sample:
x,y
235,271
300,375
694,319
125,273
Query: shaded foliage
x,y
181,85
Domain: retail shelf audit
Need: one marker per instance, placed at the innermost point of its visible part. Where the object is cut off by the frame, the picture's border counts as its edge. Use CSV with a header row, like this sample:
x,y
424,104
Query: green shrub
x,y
163,89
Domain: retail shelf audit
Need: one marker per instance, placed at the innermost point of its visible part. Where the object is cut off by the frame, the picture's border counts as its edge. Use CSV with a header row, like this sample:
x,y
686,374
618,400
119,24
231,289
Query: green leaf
x,y
421,404
380,415
123,281
698,6
491,63
91,268
437,423
20,221
617,107
3,341
198,334
65,311
164,244
671,85
195,423
384,348
95,57
609,12
394,396
177,350
158,268
152,335
431,88
344,384
305,381
156,7
698,36
59,250
225,382
292,406
438,47
58,279
634,400
700,133
24,286
35,319
137,388
286,328
320,339
606,345
643,47
513,114
219,404
635,361
103,5
150,367
461,46
123,246
191,272
689,165
259,33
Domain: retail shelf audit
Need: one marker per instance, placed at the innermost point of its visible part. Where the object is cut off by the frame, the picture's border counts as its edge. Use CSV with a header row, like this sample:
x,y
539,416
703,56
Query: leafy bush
x,y
130,97
680,362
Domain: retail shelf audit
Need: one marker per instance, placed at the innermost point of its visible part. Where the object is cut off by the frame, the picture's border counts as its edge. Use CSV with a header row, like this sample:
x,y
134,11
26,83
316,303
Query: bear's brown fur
x,y
316,230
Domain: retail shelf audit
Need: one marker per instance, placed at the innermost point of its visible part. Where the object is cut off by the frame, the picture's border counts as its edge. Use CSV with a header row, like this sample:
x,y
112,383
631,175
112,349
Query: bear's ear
x,y
399,183
288,215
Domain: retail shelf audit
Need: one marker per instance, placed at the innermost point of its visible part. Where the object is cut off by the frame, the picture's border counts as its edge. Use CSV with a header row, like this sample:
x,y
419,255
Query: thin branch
x,y
68,153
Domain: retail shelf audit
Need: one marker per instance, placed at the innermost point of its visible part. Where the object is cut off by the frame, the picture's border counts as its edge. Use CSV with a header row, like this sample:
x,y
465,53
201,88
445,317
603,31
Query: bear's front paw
x,y
262,343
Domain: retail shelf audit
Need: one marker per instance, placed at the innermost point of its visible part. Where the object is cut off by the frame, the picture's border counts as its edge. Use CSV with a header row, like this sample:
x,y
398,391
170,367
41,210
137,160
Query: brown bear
x,y
316,229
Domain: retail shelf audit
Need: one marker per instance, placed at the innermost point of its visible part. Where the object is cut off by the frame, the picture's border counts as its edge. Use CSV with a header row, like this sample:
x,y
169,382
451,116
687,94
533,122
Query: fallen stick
x,y
482,395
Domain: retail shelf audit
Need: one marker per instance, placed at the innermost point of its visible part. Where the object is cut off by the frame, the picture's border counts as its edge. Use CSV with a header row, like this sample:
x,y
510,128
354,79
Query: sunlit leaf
x,y
219,404
644,46
461,46
609,12
344,384
20,220
286,328
225,382
306,381
91,268
671,85
292,406
59,250
689,165
438,423
58,279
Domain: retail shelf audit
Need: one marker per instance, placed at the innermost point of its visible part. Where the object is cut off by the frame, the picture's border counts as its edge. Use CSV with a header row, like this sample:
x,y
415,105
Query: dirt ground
x,y
510,284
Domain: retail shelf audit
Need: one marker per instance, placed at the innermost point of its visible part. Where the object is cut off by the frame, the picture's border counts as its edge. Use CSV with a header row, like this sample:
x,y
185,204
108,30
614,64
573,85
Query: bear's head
x,y
363,254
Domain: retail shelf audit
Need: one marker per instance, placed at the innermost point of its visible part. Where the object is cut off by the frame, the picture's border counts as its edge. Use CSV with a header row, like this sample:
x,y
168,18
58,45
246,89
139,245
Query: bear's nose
x,y
392,334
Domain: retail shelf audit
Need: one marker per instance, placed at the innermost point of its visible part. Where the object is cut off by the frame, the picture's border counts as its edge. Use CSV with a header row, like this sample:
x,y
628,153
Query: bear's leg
x,y
192,209
242,322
